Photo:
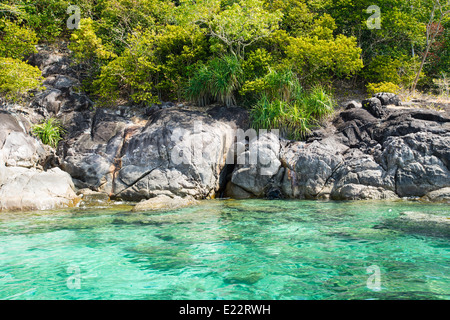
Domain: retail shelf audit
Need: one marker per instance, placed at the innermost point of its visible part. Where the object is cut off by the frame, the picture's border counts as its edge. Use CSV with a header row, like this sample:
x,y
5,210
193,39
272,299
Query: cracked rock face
x,y
175,153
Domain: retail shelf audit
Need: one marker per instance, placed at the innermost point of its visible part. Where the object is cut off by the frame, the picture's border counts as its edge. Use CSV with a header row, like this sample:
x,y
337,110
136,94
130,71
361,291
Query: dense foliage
x,y
236,51
18,78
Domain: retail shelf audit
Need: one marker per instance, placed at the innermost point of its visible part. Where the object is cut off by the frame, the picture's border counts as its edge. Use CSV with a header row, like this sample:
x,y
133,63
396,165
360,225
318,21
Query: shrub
x,y
280,84
294,116
17,42
86,45
291,119
398,71
50,132
218,80
17,78
373,88
320,59
318,103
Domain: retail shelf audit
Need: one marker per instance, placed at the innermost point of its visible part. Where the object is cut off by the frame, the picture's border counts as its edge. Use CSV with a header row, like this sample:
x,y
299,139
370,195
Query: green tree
x,y
437,16
238,26
16,41
18,78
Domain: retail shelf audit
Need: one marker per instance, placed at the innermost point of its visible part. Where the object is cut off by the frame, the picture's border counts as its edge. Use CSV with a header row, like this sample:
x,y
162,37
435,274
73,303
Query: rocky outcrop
x,y
183,153
174,152
24,185
371,150
395,153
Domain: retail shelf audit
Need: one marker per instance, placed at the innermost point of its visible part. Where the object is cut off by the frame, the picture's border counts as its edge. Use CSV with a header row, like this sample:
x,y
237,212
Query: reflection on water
x,y
223,250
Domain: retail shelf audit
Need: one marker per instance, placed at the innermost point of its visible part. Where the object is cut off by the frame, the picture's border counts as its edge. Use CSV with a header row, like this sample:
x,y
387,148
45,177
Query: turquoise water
x,y
223,250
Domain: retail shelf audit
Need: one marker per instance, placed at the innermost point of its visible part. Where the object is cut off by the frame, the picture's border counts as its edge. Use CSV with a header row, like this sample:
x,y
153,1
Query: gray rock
x,y
23,184
441,195
17,148
175,153
359,168
310,168
418,162
23,189
235,192
257,166
362,192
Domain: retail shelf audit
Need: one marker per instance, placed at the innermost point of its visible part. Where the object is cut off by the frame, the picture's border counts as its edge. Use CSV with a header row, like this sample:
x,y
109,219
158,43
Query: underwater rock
x,y
415,222
163,202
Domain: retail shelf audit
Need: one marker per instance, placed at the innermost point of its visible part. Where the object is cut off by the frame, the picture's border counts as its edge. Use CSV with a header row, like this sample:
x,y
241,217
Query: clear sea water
x,y
250,250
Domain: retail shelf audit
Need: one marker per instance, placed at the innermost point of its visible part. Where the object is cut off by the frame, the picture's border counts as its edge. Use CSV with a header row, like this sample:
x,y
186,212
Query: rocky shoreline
x,y
370,150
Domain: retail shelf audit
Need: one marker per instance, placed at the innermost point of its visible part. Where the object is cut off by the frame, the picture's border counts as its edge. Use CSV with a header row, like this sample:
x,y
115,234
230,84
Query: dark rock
x,y
388,98
237,117
52,63
236,192
274,194
374,106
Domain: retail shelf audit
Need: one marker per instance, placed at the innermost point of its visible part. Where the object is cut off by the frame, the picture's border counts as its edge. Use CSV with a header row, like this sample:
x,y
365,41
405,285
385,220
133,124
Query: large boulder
x,y
17,148
176,152
441,195
418,162
375,107
23,189
310,167
387,98
257,166
24,185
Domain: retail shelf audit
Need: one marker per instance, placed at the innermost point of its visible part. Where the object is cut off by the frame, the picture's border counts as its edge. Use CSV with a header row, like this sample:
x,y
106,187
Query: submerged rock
x,y
421,223
163,202
92,198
